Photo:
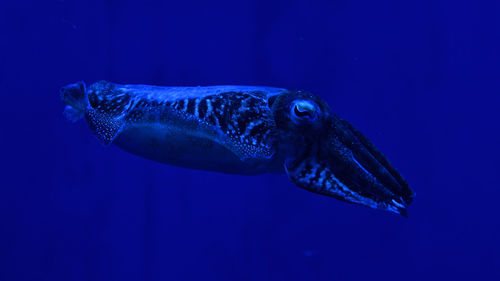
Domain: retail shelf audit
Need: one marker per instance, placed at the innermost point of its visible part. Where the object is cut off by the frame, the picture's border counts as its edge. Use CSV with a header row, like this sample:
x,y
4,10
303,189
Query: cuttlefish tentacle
x,y
242,130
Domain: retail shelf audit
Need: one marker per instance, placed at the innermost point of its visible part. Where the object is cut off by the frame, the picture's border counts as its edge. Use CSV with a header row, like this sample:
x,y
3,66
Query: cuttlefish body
x,y
242,130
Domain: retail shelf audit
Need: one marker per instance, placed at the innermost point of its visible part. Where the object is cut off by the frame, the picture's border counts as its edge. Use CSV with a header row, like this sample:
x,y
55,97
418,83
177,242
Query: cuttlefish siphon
x,y
243,130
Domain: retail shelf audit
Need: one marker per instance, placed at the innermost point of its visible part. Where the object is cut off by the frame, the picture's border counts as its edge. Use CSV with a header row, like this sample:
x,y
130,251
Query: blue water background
x,y
419,78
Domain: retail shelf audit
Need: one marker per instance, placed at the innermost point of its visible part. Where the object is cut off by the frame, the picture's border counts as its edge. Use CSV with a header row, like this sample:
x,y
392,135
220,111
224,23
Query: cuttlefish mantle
x,y
242,130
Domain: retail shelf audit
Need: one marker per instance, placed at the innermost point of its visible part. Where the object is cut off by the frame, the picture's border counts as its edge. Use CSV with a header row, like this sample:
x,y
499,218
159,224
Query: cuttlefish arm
x,y
327,155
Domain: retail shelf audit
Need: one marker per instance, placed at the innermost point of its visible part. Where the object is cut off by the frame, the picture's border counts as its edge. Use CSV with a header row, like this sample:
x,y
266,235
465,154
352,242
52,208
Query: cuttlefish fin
x,y
105,127
76,100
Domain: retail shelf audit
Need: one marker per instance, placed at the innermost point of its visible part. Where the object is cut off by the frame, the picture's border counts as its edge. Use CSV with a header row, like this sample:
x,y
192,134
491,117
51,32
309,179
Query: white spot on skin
x,y
251,126
209,108
196,104
313,171
397,204
323,177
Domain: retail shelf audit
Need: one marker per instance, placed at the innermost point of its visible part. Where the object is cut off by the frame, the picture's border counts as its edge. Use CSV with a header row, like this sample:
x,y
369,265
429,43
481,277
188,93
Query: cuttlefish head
x,y
325,154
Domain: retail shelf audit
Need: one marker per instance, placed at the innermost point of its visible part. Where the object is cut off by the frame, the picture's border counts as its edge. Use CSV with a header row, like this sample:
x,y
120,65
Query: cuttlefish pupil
x,y
243,130
304,109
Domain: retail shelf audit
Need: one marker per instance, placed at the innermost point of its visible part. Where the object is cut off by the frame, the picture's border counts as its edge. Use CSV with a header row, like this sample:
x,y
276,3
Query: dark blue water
x,y
419,78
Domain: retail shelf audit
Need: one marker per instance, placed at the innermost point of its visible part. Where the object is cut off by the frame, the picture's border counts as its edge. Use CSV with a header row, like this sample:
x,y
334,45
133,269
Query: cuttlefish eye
x,y
303,110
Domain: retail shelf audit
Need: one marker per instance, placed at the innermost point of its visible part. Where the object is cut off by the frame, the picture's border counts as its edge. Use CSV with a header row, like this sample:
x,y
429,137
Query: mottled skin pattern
x,y
242,130
242,116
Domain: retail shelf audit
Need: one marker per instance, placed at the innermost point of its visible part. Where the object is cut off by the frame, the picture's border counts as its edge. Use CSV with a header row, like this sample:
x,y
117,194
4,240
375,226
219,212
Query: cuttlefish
x,y
245,130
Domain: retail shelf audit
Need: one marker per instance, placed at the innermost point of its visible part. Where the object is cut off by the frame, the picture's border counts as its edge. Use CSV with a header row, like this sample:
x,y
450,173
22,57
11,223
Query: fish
x,y
243,130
